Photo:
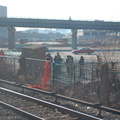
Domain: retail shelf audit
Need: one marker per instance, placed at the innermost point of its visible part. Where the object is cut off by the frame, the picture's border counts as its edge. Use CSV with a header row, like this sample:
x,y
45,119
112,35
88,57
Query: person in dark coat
x,y
58,55
69,62
49,57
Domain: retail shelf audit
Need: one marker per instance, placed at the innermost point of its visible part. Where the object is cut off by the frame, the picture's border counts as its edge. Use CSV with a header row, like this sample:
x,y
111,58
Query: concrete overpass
x,y
51,23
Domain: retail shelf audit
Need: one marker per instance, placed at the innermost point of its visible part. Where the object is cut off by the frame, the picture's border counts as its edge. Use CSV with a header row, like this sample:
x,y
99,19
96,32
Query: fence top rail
x,y
20,57
85,63
36,59
9,56
115,71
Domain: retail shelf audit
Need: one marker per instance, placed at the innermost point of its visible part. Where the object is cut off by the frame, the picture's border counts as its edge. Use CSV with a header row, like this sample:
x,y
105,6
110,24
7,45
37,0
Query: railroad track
x,y
8,114
36,109
11,112
83,106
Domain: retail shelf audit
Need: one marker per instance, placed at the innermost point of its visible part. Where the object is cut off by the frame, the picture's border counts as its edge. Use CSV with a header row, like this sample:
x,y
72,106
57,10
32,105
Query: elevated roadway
x,y
10,23
63,24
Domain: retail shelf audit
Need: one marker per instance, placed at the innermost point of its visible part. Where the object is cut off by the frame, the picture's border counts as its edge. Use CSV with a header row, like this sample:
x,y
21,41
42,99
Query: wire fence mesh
x,y
66,73
30,71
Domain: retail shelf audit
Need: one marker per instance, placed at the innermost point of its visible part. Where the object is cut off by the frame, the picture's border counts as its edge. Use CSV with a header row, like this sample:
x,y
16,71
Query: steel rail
x,y
21,112
54,94
64,110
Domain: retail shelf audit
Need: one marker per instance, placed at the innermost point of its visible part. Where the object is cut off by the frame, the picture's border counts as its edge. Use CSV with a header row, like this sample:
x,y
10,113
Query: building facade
x,y
3,11
3,30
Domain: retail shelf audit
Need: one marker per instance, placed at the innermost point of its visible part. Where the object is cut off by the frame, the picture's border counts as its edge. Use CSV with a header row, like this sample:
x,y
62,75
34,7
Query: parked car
x,y
83,50
20,46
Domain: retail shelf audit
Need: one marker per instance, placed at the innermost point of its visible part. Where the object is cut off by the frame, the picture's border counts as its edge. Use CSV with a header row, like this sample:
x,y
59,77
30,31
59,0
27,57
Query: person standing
x,y
58,55
2,60
69,62
55,60
49,57
99,60
59,63
55,66
2,52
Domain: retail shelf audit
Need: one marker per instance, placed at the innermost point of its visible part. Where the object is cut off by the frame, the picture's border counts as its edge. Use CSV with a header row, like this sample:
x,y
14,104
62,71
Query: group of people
x,y
56,59
69,61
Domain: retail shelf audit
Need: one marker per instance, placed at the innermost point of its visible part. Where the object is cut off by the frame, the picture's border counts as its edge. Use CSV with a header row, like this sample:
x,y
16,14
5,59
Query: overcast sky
x,y
63,9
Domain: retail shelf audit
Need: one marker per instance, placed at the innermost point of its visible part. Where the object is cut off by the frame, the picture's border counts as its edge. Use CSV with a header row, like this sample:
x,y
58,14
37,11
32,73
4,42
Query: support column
x,y
11,37
74,38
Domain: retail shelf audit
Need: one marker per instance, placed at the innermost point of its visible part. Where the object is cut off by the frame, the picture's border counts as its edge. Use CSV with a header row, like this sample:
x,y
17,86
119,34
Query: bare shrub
x,y
109,51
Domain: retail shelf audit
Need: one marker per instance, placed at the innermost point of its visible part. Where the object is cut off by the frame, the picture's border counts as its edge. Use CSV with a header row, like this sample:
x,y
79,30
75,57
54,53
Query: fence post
x,y
70,82
105,84
14,67
92,73
53,73
74,74
92,77
22,62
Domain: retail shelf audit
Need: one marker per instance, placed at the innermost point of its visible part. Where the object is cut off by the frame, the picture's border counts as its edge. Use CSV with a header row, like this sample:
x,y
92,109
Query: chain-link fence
x,y
114,78
69,74
72,73
21,70
98,79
